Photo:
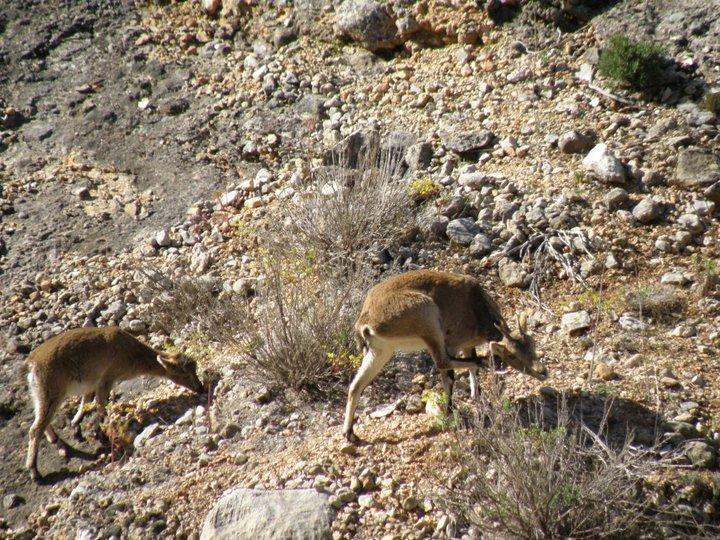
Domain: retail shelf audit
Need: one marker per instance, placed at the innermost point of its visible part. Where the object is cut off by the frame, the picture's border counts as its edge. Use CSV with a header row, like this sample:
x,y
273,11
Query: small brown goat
x,y
440,312
88,362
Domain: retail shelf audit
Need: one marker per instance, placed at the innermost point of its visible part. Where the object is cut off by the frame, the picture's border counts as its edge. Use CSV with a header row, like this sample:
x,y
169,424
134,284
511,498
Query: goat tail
x,y
362,335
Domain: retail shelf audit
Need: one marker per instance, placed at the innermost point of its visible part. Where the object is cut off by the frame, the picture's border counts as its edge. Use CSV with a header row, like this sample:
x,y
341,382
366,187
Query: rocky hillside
x,y
155,156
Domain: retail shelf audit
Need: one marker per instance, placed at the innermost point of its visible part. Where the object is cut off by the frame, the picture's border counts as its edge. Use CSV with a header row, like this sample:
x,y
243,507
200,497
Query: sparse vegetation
x,y
708,274
297,331
116,428
302,334
627,62
346,211
438,400
422,189
531,472
656,301
198,307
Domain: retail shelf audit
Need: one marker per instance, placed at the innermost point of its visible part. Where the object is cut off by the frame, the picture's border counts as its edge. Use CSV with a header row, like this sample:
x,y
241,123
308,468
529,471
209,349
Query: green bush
x,y
711,102
633,63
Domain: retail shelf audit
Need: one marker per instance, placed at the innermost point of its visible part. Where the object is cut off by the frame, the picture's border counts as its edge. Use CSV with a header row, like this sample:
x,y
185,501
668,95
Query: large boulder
x,y
697,168
269,514
369,23
468,145
462,231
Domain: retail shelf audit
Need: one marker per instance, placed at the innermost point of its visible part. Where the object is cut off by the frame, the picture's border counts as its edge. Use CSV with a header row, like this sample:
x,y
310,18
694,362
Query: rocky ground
x,y
167,137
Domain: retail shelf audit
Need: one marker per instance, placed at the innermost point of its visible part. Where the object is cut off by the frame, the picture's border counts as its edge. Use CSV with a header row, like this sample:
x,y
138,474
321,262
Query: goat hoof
x,y
35,475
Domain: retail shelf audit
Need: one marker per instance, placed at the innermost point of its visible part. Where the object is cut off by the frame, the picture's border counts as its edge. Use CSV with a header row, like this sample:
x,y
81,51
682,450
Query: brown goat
x,y
88,362
440,312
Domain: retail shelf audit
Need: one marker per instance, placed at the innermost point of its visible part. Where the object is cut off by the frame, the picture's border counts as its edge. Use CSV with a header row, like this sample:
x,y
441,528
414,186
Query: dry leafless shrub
x,y
197,305
521,474
657,301
302,334
357,202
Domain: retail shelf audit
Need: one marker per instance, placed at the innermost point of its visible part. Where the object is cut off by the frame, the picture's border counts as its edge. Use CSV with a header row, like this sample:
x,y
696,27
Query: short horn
x,y
522,322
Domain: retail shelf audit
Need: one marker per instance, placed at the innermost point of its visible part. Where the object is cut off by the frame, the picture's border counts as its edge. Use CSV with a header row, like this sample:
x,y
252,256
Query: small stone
x,y
82,193
605,372
480,246
38,132
670,382
366,500
674,278
410,503
230,430
700,454
383,411
284,36
574,142
200,260
697,168
462,231
647,210
616,198
433,408
435,226
162,238
348,448
146,434
512,274
12,500
136,326
611,261
418,156
414,404
232,198
685,417
369,23
254,202
174,107
603,164
691,223
633,324
211,7
685,429
684,331
469,144
132,208
576,322
420,379
346,495
186,418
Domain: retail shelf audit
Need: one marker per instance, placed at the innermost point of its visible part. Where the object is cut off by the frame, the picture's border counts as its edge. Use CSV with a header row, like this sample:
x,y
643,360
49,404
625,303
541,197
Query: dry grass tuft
x,y
529,473
656,301
358,202
199,306
302,335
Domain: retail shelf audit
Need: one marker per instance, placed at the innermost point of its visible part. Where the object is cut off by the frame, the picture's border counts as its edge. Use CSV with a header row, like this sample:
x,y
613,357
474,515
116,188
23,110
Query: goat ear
x,y
163,362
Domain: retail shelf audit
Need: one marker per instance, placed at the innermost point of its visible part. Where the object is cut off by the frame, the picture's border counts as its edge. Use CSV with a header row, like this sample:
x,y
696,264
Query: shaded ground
x,y
77,78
